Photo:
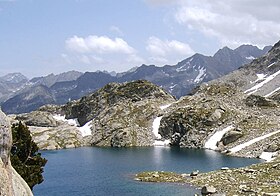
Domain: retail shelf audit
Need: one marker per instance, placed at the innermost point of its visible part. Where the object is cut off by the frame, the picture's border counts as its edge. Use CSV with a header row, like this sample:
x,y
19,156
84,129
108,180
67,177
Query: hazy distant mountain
x,y
178,80
51,79
11,83
29,100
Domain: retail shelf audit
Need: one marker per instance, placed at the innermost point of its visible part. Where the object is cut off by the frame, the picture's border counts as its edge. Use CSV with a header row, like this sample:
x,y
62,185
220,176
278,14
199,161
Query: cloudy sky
x,y
42,37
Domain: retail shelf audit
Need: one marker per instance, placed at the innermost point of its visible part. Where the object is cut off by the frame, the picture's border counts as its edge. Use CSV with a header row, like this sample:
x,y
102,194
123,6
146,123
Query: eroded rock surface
x,y
11,183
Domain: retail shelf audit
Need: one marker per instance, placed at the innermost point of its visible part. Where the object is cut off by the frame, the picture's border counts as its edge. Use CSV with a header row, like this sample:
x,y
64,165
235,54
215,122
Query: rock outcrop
x,y
11,182
48,132
118,115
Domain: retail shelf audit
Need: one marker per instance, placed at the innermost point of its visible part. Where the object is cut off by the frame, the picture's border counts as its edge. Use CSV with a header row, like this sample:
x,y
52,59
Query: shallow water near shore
x,y
110,171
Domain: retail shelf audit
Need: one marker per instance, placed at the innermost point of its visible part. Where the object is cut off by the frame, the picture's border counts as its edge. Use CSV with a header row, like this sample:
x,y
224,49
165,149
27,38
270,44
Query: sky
x,y
39,37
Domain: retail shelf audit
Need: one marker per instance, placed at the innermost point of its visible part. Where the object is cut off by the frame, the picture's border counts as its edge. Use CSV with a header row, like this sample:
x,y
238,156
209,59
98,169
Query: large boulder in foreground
x,y
11,183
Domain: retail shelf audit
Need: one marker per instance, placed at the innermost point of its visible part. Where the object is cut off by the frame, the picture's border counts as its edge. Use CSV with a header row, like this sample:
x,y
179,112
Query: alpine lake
x,y
93,171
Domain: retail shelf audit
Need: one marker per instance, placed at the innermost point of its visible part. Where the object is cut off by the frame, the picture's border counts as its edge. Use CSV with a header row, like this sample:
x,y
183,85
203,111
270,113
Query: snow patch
x,y
161,143
250,58
259,85
244,145
156,125
163,107
73,122
260,77
200,75
268,156
211,143
272,92
86,129
172,87
271,65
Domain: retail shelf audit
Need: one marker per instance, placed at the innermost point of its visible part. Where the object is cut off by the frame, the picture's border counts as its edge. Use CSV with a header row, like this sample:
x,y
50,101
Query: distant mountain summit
x,y
11,83
14,78
178,80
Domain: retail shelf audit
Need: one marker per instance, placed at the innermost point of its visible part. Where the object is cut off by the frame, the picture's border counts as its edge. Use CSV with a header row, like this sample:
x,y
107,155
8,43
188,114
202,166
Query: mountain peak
x,y
14,77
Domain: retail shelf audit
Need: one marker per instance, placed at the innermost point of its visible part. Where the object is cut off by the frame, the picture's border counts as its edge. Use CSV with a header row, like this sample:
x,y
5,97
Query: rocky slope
x,y
178,80
237,114
118,115
11,182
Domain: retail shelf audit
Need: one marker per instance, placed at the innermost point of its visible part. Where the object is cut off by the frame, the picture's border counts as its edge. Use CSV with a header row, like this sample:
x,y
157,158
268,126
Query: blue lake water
x,y
91,171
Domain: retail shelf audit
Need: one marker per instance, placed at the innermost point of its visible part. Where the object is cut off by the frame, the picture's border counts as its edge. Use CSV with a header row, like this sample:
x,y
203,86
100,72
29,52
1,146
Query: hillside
x,y
118,115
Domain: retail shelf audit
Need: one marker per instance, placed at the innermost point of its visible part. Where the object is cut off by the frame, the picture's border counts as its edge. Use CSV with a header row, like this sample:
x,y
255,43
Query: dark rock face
x,y
192,119
231,136
259,101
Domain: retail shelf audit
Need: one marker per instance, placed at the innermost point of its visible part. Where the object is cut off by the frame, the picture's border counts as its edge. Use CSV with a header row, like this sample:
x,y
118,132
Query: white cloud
x,y
233,22
100,53
166,51
98,44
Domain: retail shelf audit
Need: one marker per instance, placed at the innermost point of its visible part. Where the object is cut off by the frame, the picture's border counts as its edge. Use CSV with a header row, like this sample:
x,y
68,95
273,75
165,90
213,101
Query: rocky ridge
x,y
118,115
11,182
179,80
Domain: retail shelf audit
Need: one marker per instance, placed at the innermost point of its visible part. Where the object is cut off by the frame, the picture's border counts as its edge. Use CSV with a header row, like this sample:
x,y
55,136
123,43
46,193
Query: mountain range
x,y
19,95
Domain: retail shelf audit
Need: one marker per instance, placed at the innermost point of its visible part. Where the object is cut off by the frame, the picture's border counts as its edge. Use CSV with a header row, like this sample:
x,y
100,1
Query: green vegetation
x,y
160,176
25,157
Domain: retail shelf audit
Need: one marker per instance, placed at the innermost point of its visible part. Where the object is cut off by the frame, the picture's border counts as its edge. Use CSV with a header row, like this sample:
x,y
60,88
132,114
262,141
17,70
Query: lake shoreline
x,y
260,178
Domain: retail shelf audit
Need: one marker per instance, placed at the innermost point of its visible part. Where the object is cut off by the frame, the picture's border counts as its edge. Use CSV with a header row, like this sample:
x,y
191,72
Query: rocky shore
x,y
259,179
